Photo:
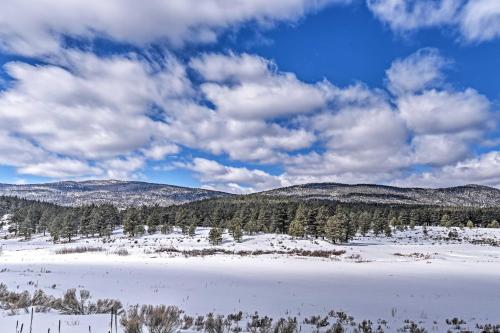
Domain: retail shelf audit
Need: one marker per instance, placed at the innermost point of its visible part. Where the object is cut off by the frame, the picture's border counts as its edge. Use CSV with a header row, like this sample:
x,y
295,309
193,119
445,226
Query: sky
x,y
249,95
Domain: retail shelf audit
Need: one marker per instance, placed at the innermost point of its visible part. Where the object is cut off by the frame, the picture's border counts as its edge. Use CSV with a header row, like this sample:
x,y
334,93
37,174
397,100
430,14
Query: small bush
x,y
132,321
121,252
161,319
79,249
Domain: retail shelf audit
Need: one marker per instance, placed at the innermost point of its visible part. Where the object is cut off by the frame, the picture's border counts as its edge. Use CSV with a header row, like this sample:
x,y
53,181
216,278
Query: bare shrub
x,y
79,249
216,324
161,319
260,325
122,252
215,251
286,326
132,321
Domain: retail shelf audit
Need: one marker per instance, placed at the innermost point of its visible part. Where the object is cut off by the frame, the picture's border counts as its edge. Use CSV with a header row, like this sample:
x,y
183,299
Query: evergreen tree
x,y
70,226
321,219
215,236
237,233
414,218
310,226
131,223
192,230
279,220
387,229
297,226
378,223
365,223
153,221
44,221
263,219
446,221
334,229
339,228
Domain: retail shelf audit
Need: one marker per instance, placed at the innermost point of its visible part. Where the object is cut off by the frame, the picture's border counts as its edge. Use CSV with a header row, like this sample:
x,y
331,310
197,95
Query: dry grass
x,y
79,249
215,251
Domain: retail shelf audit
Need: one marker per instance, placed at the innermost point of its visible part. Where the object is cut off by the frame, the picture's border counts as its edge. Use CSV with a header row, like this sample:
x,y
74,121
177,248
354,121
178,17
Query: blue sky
x,y
248,96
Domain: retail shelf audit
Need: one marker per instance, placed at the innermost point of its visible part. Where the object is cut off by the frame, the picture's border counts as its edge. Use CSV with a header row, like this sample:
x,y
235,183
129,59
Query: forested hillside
x,y
338,222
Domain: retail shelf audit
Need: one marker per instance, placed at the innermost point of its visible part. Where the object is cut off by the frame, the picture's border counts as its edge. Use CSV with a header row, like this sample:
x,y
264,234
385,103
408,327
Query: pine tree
x,y
321,219
131,223
153,221
365,223
310,226
414,218
470,224
393,223
377,223
55,227
44,221
279,220
446,221
263,219
192,230
215,236
297,226
387,229
237,233
69,225
334,229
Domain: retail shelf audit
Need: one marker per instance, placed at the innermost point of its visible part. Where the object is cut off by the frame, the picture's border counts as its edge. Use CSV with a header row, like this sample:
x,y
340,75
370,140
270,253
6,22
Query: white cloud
x,y
34,28
483,170
233,179
480,20
436,111
421,70
86,116
60,168
441,149
475,20
250,87
89,109
404,15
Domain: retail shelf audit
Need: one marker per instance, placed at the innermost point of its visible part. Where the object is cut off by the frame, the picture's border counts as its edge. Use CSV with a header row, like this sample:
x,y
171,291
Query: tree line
x,y
337,222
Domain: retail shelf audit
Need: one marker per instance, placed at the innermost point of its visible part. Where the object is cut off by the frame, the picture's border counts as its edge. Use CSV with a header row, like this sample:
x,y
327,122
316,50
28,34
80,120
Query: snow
x,y
407,276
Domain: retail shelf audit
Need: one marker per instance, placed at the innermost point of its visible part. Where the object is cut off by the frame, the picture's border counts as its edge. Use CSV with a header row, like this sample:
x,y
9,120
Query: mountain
x,y
119,193
132,193
468,195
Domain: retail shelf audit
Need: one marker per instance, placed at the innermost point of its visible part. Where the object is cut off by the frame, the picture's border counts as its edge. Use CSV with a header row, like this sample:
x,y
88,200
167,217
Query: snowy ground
x,y
408,276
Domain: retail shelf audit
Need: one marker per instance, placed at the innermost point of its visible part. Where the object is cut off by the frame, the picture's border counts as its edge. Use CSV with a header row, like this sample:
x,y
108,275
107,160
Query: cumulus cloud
x,y
444,111
234,179
404,15
480,20
474,20
421,70
35,28
87,108
251,87
81,115
483,170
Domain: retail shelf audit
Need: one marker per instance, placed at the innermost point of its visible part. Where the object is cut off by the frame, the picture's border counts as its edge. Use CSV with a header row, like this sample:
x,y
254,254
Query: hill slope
x,y
468,195
119,193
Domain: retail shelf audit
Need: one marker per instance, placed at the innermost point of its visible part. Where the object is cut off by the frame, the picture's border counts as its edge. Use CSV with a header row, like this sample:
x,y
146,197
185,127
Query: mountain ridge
x,y
117,192
470,195
136,193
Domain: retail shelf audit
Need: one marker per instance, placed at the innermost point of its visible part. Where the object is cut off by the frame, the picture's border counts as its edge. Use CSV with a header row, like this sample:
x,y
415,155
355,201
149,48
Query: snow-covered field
x,y
408,276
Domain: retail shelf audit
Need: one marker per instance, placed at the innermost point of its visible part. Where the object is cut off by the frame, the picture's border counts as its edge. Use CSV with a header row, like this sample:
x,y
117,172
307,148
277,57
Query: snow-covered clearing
x,y
408,276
